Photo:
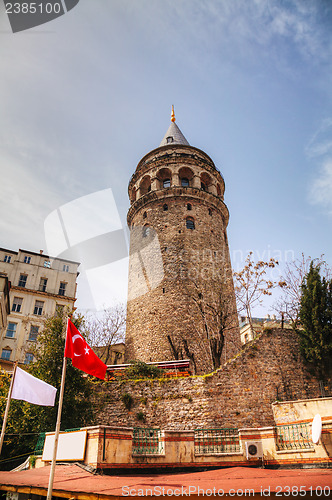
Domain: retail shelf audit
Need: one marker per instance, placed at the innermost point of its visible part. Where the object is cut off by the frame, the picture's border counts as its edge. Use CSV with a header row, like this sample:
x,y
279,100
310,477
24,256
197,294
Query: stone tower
x,y
181,302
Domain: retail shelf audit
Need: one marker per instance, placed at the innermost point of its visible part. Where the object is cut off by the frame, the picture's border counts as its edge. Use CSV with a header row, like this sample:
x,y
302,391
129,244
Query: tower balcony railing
x,y
293,437
223,440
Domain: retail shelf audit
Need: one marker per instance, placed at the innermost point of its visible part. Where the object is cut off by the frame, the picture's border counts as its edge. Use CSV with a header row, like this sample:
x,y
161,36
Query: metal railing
x,y
147,441
293,437
217,441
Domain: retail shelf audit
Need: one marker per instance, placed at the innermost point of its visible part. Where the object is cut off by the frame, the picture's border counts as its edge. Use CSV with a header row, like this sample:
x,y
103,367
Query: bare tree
x,y
104,330
252,283
288,304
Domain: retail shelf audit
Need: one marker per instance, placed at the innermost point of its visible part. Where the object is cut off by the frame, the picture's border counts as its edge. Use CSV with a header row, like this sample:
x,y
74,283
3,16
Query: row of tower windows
x,y
186,178
165,208
190,224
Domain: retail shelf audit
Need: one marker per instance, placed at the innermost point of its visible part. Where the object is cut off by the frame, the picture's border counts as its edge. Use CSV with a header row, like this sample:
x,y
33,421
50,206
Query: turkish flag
x,y
81,354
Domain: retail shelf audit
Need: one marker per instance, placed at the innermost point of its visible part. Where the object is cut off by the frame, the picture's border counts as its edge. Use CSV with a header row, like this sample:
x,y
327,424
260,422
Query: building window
x,y
42,284
169,139
246,338
203,186
7,258
17,304
165,207
190,224
144,215
62,288
189,207
47,263
65,268
38,308
28,358
210,211
33,333
167,183
6,353
11,330
27,259
184,182
23,280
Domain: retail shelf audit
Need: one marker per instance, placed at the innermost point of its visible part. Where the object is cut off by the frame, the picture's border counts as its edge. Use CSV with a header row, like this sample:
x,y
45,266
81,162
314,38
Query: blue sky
x,y
85,96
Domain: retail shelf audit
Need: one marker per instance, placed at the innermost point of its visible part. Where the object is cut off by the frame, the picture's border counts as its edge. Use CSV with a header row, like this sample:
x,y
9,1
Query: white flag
x,y
32,389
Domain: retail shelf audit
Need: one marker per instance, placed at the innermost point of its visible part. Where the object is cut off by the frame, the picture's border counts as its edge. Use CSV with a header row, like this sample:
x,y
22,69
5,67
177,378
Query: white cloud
x,y
321,189
321,142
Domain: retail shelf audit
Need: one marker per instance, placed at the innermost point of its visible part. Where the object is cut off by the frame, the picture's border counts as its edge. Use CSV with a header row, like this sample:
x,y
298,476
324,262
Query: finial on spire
x,y
173,114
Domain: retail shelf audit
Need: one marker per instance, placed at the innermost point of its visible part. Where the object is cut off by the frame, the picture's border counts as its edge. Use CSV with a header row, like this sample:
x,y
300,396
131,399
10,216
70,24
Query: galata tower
x,y
181,302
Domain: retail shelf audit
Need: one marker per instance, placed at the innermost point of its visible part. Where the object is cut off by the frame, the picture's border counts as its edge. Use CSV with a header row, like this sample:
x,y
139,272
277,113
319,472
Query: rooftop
x,y
81,484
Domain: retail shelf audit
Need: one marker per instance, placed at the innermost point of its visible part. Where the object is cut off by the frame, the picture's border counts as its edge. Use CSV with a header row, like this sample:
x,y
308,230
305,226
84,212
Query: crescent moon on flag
x,y
73,340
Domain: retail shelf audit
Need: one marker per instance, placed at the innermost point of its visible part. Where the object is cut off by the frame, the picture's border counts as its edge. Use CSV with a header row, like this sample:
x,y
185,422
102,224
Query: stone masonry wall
x,y
239,394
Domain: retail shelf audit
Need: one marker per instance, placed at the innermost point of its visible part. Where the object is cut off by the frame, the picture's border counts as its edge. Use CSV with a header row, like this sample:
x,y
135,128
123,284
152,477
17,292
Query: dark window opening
x,y
189,207
203,187
210,211
23,280
144,215
169,139
42,284
184,182
165,207
190,224
167,183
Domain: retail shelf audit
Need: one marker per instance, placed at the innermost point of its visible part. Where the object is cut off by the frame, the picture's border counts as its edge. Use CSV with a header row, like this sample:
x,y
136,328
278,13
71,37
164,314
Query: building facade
x,y
38,285
181,301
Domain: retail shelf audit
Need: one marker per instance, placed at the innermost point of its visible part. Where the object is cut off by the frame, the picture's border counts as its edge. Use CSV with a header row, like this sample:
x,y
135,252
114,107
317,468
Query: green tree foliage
x,y
27,420
316,320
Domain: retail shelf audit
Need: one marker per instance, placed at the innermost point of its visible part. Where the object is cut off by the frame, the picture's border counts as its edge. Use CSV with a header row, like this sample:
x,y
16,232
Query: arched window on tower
x,y
189,207
145,186
169,139
167,183
206,181
190,223
186,176
165,207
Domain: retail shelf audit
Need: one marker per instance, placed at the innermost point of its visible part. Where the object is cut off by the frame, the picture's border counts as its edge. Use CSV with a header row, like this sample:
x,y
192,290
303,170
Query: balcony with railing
x,y
294,437
210,441
147,441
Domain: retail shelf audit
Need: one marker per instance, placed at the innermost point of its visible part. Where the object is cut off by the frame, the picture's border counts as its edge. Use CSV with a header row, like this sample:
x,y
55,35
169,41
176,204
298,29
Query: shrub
x,y
139,369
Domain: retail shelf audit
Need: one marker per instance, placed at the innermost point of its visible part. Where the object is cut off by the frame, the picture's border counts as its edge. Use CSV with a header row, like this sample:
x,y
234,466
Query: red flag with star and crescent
x,y
81,354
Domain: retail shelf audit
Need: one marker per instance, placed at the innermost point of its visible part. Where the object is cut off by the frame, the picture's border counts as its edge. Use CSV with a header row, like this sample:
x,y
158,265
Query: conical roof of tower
x,y
174,134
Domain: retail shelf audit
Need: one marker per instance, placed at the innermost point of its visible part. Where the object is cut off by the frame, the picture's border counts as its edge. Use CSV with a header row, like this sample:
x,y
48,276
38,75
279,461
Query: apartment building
x,y
38,285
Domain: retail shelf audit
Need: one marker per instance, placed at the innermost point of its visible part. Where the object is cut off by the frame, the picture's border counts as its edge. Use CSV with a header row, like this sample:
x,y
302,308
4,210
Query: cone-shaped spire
x,y
173,134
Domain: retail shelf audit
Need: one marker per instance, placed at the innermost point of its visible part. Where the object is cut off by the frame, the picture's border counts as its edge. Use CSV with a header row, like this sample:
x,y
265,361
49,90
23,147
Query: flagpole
x,y
7,407
57,430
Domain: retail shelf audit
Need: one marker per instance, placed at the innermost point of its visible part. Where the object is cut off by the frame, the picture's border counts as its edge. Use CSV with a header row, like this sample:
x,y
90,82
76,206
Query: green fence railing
x,y
293,437
147,441
217,440
40,444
